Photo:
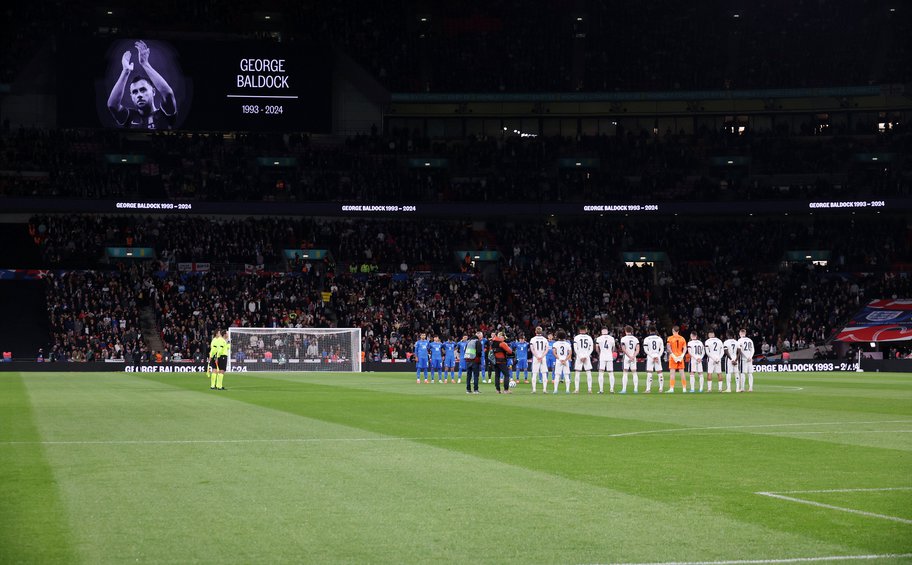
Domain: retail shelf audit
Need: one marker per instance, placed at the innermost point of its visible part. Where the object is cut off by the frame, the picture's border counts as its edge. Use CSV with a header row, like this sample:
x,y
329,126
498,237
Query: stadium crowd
x,y
94,316
630,165
554,274
704,297
191,307
80,240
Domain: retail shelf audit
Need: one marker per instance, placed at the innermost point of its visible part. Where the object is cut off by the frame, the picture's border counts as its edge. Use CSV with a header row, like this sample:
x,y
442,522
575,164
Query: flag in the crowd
x,y
193,267
880,320
23,274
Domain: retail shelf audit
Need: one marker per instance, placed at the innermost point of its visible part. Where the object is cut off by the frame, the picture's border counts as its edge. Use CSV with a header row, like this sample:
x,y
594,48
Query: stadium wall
x,y
868,365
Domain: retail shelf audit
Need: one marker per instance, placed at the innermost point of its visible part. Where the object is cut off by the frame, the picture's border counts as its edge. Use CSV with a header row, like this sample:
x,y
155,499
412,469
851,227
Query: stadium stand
x,y
395,277
636,165
94,315
557,274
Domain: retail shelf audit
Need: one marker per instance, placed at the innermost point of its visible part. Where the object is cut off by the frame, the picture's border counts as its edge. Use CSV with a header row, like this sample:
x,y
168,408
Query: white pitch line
x,y
831,507
211,441
842,490
837,432
754,426
786,560
437,438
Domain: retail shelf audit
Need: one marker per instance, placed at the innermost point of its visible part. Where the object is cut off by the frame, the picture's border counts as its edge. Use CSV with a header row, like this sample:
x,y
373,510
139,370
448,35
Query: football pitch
x,y
371,468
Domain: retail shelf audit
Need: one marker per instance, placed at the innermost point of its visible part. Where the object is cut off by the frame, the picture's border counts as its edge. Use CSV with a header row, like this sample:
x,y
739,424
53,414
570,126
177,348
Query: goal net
x,y
295,349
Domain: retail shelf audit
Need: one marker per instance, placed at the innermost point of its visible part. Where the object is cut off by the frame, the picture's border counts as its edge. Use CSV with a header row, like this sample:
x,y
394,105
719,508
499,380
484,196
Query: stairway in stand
x,y
150,331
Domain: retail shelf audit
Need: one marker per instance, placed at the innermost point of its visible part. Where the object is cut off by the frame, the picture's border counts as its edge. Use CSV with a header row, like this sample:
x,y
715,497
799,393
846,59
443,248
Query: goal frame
x,y
295,365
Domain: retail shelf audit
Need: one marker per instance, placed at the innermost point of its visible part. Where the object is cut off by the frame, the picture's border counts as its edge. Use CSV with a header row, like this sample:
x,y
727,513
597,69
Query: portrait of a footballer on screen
x,y
142,97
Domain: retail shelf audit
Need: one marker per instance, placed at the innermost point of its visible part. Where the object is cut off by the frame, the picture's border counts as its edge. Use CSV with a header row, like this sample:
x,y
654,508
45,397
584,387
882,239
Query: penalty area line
x,y
877,489
832,507
833,432
784,560
754,426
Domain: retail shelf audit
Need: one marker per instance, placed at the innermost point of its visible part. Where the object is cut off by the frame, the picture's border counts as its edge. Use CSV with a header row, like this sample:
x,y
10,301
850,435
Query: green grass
x,y
335,468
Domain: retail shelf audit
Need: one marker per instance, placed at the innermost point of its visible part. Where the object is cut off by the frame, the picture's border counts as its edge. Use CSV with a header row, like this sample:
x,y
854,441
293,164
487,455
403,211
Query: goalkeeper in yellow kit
x,y
218,354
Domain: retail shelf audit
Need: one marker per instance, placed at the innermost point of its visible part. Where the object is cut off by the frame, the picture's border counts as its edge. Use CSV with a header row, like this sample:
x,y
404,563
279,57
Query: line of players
x,y
551,356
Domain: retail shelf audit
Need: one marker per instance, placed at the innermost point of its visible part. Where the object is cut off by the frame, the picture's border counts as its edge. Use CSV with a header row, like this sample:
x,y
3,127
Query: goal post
x,y
295,349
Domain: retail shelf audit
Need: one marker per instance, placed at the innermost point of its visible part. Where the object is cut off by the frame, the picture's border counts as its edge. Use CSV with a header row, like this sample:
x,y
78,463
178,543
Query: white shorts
x,y
746,366
583,364
654,364
713,366
696,365
539,367
630,364
606,365
561,371
731,365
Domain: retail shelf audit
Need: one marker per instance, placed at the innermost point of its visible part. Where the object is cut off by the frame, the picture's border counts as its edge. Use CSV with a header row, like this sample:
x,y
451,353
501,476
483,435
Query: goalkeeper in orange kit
x,y
677,349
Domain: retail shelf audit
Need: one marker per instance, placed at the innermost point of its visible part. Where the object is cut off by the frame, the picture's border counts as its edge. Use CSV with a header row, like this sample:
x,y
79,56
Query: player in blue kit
x,y
521,349
550,358
461,347
421,358
436,349
449,360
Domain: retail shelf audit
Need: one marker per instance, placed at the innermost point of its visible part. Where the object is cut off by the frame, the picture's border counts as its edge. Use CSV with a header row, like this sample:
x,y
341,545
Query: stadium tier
x,y
632,163
792,282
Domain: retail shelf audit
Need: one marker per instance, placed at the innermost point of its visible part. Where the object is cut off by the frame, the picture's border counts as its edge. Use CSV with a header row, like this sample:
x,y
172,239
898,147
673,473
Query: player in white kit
x,y
605,346
630,348
582,352
746,360
538,345
697,351
563,352
714,352
654,347
731,363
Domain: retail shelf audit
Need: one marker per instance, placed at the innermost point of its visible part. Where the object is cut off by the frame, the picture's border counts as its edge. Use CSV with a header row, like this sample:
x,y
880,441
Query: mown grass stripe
x,y
716,473
33,528
396,503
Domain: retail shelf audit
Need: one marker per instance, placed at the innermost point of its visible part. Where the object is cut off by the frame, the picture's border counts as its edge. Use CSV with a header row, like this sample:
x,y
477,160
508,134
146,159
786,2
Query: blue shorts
x,y
522,365
436,364
449,361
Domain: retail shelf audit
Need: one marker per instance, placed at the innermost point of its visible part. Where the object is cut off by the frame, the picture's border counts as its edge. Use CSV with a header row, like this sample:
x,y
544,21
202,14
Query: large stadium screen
x,y
151,84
